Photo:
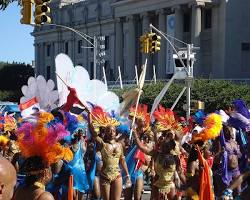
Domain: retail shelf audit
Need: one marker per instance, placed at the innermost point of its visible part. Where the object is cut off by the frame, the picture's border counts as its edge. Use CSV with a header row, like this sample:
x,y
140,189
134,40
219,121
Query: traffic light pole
x,y
188,69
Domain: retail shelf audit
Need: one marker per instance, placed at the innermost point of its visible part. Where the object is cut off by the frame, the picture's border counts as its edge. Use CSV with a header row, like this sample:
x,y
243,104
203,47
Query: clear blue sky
x,y
16,43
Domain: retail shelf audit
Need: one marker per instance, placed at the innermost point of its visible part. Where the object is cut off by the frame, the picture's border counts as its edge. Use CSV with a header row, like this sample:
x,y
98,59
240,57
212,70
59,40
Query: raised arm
x,y
141,146
93,132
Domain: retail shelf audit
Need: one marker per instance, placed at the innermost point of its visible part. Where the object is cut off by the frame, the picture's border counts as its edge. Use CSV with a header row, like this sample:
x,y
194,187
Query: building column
x,y
37,53
161,67
131,48
42,67
195,33
145,28
178,23
118,46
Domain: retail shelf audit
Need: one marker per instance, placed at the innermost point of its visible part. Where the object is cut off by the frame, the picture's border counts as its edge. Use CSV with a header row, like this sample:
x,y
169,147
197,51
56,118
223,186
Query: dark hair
x,y
57,114
193,156
168,146
34,163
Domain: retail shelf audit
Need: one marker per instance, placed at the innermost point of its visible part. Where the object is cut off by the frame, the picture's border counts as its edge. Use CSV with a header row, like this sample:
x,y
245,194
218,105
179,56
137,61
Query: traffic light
x,y
155,42
144,40
41,12
26,12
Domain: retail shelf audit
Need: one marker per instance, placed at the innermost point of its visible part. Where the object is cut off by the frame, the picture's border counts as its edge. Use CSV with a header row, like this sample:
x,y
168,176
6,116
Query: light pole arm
x,y
163,35
81,34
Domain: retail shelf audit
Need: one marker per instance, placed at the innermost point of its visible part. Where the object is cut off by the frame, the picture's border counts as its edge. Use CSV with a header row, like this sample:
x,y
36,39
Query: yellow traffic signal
x,y
144,41
26,12
41,12
155,42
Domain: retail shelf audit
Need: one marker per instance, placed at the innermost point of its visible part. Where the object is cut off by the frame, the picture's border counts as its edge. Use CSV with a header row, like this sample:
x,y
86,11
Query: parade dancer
x,y
111,152
137,161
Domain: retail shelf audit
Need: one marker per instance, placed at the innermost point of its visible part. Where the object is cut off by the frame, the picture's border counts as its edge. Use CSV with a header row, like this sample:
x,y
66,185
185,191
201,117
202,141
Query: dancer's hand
x,y
128,183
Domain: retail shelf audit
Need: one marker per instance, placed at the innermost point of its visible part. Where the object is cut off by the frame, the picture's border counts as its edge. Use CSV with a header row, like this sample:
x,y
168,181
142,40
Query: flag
x,y
72,99
206,191
140,157
29,107
70,188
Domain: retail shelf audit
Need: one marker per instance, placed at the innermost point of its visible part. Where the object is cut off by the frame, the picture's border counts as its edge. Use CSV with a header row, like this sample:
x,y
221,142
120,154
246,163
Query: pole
x,y
188,82
136,75
178,98
95,56
138,98
154,73
104,76
120,76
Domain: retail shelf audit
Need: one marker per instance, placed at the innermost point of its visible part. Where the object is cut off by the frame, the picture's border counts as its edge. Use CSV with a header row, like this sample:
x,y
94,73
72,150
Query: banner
x,y
169,55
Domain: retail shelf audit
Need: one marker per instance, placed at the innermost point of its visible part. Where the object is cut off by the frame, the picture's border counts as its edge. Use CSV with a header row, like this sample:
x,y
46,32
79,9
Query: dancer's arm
x,y
141,146
93,132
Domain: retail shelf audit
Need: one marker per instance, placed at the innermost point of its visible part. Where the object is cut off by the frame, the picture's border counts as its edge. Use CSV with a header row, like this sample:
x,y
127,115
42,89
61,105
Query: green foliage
x,y
12,96
14,76
215,93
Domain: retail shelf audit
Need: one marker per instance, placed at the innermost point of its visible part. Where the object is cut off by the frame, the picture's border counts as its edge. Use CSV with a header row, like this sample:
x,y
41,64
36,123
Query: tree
x,y
5,3
14,76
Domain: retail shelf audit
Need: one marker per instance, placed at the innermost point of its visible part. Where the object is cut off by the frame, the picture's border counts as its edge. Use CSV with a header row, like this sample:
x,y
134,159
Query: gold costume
x,y
110,170
164,181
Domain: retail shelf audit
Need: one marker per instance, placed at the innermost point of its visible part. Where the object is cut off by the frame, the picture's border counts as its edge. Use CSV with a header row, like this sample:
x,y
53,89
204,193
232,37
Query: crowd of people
x,y
100,155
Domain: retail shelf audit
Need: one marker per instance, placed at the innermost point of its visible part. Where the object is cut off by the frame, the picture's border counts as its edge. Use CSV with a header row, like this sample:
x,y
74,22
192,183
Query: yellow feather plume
x,y
212,128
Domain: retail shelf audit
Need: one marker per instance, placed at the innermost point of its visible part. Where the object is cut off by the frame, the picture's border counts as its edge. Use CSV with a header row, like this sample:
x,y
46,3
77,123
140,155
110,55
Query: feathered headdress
x,y
9,123
4,141
212,128
165,119
102,118
141,113
42,139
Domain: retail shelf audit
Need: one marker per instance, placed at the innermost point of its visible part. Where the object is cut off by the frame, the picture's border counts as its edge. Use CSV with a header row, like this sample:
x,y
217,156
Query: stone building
x,y
221,28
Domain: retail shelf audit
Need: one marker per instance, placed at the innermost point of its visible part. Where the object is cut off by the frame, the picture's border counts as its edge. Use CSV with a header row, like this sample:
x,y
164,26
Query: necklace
x,y
40,185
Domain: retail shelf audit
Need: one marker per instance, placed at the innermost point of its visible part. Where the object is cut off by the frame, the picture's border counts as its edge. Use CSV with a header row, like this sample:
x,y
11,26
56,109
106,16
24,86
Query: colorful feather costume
x,y
42,139
8,123
165,120
212,128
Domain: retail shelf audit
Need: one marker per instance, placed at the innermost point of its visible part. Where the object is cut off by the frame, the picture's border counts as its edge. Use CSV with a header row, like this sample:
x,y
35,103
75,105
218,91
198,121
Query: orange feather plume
x,y
165,119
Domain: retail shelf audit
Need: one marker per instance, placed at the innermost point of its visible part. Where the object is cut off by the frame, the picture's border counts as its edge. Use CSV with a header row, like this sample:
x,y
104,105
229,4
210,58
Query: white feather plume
x,y
43,90
94,91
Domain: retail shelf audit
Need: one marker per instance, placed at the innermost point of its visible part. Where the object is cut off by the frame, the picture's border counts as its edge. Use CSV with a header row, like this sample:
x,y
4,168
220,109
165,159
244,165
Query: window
x,y
91,70
106,65
245,57
66,47
208,18
48,50
186,22
48,73
79,46
92,41
106,42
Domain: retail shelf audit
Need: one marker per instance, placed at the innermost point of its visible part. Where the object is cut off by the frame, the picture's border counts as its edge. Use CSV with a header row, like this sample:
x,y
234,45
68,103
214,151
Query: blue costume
x,y
77,167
